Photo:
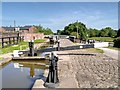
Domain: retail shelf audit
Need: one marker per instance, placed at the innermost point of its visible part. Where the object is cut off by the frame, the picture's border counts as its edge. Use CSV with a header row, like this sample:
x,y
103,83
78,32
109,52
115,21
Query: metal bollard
x,y
31,48
52,79
58,47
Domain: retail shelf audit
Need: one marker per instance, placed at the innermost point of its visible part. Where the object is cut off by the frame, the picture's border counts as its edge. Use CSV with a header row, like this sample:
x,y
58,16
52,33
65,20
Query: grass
x,y
105,39
95,50
114,48
21,46
39,41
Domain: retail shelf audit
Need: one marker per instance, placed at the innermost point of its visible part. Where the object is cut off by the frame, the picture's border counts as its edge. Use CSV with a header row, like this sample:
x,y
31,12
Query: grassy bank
x,y
95,50
39,41
105,39
21,46
114,48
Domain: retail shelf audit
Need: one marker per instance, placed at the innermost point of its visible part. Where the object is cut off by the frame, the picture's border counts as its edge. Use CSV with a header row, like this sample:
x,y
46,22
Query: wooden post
x,y
9,41
13,40
17,39
2,42
20,38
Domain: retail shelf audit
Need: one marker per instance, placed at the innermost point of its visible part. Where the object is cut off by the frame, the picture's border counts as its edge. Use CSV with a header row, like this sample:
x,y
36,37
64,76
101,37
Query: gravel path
x,y
81,69
111,53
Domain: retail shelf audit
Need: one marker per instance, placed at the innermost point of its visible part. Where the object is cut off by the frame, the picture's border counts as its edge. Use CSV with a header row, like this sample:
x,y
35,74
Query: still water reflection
x,y
22,74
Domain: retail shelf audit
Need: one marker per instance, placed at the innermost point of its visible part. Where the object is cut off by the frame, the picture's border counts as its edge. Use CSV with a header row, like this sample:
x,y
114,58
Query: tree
x,y
107,32
112,33
74,34
93,32
72,28
46,31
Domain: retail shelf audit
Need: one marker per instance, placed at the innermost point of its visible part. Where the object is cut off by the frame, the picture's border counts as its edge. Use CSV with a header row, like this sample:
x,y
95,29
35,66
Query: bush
x,y
117,42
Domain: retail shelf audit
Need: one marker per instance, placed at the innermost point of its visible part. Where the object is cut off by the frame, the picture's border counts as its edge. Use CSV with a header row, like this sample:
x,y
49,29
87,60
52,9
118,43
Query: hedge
x,y
117,42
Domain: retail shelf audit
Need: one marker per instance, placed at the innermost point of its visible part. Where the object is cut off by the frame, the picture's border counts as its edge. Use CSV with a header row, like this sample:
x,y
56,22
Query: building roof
x,y
9,28
13,28
25,27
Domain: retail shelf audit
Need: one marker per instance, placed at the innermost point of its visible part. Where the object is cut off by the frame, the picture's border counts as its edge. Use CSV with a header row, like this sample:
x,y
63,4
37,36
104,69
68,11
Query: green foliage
x,y
93,32
117,42
46,31
105,39
118,33
114,48
112,33
39,41
75,34
83,31
107,32
74,27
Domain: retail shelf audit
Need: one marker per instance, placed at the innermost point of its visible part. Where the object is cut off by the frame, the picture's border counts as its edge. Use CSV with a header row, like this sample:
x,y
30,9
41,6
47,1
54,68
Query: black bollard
x,y
58,47
52,79
31,48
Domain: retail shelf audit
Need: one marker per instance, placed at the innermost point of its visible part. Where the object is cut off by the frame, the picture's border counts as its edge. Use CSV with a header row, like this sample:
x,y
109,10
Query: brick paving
x,y
83,69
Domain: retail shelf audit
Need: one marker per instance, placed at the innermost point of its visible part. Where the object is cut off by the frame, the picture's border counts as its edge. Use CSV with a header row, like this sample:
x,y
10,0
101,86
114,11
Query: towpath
x,y
83,69
111,53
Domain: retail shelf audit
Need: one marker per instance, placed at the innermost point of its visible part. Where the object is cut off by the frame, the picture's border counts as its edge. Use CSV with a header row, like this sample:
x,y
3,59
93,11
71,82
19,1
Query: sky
x,y
57,15
60,0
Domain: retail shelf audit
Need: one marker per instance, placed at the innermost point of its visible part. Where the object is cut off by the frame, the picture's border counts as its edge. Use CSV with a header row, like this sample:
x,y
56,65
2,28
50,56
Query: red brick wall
x,y
2,30
32,29
33,36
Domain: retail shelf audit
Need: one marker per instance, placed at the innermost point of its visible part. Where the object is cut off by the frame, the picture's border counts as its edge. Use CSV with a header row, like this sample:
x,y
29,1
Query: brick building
x,y
33,36
2,30
28,29
24,29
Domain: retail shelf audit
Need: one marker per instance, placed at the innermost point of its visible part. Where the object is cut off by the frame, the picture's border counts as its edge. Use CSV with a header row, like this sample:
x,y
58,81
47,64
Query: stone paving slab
x,y
87,70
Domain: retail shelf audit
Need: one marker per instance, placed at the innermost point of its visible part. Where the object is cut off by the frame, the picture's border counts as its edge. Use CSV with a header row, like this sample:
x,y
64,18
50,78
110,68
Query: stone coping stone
x,y
29,58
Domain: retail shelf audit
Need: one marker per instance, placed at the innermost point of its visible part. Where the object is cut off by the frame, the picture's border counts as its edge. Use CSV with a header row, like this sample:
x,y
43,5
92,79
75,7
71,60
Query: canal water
x,y
22,74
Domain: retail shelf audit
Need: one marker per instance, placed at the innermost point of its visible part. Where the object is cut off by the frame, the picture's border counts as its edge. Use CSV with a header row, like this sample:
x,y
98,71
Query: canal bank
x,y
5,58
27,71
